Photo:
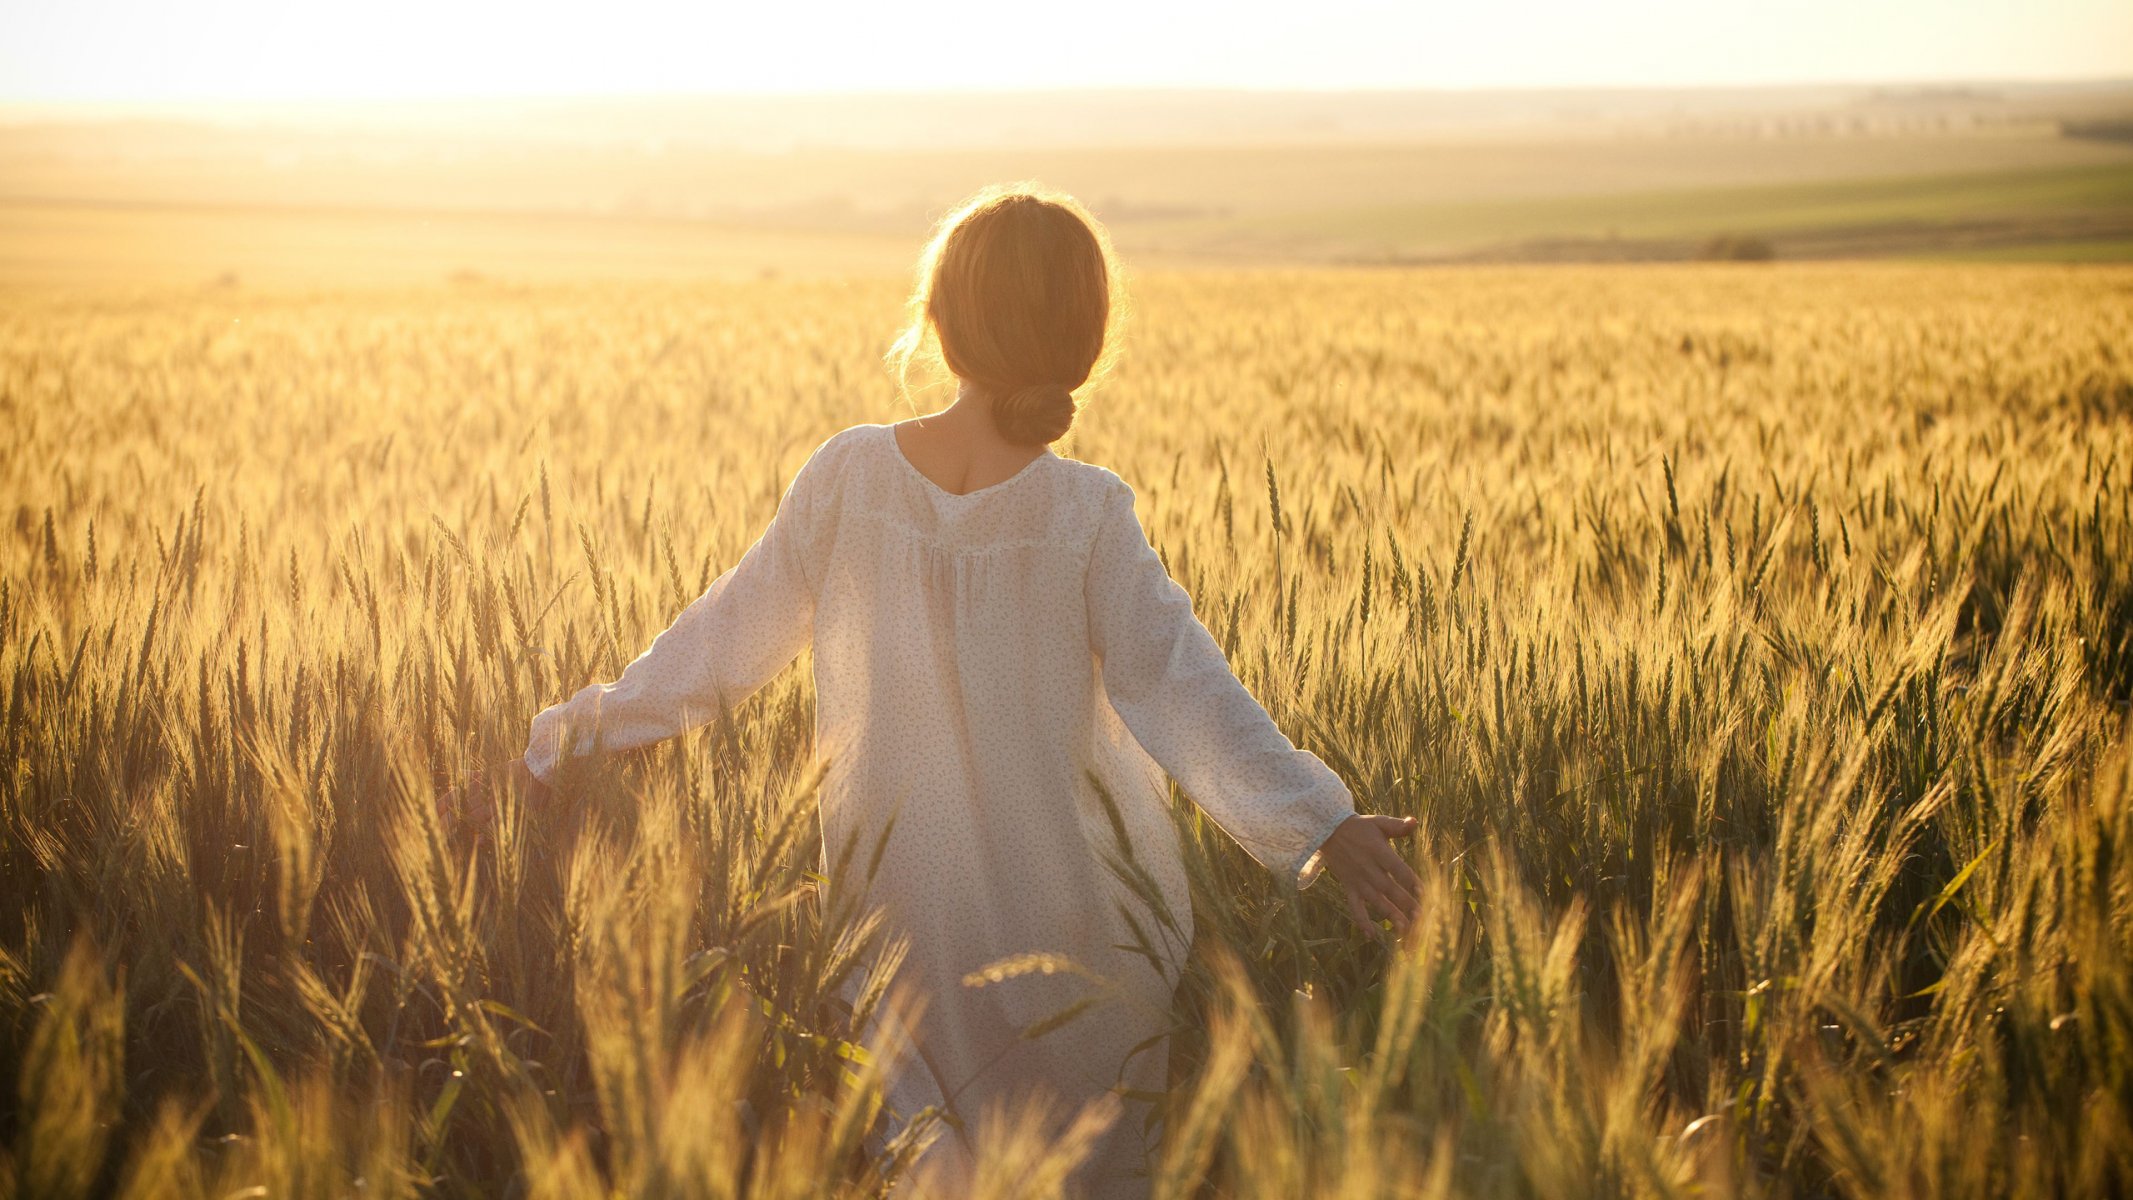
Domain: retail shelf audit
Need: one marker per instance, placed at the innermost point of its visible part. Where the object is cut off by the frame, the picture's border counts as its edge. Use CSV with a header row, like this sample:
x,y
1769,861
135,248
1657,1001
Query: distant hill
x,y
811,182
1126,117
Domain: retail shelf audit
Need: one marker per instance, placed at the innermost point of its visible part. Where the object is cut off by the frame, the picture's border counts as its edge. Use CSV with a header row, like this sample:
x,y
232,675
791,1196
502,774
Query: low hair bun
x,y
1034,415
1014,298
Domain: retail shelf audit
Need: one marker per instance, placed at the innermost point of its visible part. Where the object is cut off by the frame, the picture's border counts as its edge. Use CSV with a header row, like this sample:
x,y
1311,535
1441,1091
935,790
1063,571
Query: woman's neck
x,y
959,447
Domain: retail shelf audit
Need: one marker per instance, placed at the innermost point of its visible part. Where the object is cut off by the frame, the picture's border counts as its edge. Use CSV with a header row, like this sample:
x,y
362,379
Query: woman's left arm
x,y
747,626
1170,683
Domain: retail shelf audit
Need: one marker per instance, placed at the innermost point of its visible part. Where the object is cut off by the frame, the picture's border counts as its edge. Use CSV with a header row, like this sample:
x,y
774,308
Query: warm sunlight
x,y
1099,600
131,50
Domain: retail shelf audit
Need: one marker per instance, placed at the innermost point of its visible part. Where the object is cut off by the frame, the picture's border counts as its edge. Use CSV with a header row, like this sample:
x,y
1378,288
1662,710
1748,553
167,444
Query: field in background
x,y
682,189
1752,644
47,247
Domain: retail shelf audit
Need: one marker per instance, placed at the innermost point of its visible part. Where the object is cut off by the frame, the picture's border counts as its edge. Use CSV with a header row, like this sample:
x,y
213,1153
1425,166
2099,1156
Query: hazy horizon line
x,y
1918,83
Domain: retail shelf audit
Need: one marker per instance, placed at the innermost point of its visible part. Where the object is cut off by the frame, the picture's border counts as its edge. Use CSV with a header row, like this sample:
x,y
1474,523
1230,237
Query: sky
x,y
264,50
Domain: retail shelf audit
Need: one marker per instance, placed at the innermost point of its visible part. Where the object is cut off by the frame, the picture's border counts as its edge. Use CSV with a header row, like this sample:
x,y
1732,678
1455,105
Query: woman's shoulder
x,y
834,456
844,441
1090,500
1069,493
1095,481
859,445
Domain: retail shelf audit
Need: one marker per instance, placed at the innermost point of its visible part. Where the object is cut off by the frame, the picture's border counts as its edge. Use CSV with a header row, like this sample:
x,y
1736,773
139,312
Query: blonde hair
x,y
1018,290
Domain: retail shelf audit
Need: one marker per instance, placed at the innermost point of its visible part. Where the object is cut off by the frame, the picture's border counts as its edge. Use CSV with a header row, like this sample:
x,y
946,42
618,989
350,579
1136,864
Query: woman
x,y
994,640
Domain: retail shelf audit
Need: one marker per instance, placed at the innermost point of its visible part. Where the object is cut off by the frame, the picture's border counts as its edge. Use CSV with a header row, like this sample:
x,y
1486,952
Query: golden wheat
x,y
1753,645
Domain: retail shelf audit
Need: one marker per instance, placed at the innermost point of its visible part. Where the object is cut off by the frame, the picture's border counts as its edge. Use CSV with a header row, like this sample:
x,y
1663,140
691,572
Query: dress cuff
x,y
544,743
1309,865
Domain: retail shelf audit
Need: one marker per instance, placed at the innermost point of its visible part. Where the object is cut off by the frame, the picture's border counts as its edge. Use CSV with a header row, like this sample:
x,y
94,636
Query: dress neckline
x,y
896,448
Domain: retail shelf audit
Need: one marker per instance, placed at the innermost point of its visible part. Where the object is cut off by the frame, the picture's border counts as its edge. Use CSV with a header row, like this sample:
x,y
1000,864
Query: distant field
x,y
2112,250
2082,214
187,206
46,245
2020,213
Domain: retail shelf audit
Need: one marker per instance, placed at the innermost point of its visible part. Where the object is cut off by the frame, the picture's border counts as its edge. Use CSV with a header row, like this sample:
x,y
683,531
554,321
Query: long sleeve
x,y
1169,682
747,626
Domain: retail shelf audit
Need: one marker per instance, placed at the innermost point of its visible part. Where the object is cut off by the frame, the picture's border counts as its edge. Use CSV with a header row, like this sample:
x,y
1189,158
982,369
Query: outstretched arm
x,y
745,628
1170,683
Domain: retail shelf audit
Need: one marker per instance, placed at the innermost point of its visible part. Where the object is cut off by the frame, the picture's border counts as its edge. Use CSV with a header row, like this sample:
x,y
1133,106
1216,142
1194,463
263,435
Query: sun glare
x,y
261,50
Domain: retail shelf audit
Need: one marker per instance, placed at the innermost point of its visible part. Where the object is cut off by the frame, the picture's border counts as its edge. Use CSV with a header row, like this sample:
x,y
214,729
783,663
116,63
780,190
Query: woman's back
x,y
957,697
953,656
983,663
1004,671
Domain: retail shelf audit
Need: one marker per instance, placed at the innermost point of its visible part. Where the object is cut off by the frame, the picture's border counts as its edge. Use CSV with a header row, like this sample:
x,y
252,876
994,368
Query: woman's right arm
x,y
747,626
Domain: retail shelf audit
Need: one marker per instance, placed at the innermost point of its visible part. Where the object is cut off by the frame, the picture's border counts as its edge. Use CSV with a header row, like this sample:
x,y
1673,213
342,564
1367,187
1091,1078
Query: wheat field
x,y
1754,645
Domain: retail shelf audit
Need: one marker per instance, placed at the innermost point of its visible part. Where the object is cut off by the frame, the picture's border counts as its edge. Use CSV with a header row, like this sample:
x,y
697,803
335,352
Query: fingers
x,y
1396,827
1401,885
1373,897
1401,876
1400,898
1399,907
1385,883
526,781
1402,905
1361,918
469,808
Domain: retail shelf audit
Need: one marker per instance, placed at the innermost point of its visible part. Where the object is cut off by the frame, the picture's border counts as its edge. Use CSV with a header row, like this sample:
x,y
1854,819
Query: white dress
x,y
978,659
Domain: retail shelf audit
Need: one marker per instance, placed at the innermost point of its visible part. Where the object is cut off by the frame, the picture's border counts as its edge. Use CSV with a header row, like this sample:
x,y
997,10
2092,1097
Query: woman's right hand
x,y
470,808
1372,873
